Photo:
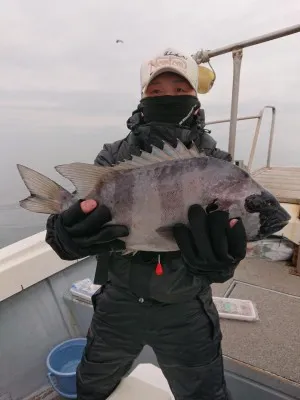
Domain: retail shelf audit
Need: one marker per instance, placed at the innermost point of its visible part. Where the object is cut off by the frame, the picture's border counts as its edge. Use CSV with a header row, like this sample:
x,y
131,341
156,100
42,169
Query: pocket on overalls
x,y
97,294
210,310
90,337
90,334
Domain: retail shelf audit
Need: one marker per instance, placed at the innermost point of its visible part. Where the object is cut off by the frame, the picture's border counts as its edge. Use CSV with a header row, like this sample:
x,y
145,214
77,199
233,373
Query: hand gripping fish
x,y
151,192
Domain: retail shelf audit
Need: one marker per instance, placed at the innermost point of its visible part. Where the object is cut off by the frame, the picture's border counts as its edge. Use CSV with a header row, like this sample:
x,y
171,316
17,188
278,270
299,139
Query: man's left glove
x,y
211,243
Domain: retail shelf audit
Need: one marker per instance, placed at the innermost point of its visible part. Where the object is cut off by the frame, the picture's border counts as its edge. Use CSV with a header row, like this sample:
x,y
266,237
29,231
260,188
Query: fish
x,y
151,192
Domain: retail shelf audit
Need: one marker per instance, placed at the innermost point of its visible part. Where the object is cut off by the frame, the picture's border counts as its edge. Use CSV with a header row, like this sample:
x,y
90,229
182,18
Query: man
x,y
167,304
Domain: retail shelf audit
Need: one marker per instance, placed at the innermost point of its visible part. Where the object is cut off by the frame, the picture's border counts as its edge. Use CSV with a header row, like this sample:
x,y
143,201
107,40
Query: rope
x,y
201,56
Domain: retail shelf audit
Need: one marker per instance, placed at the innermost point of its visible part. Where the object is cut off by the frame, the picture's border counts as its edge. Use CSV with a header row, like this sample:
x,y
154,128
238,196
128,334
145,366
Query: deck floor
x,y
283,182
271,344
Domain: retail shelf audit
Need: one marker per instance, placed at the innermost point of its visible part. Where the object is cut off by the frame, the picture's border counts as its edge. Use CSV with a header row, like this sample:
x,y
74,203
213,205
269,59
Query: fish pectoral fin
x,y
84,176
165,232
46,196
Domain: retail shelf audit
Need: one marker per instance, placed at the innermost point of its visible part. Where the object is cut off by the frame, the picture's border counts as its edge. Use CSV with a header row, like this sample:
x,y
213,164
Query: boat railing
x,y
204,56
259,118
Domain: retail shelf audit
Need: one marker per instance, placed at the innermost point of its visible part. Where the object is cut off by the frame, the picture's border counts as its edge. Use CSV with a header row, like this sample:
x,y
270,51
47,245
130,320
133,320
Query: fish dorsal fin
x,y
84,176
122,165
171,151
168,153
128,164
151,157
195,152
157,152
182,150
143,161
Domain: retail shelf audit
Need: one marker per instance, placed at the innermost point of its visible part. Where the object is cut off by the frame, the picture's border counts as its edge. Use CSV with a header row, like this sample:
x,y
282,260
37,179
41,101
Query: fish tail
x,y
46,196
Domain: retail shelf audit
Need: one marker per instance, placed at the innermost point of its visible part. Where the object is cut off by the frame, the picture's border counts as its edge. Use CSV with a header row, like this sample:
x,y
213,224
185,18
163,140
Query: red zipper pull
x,y
159,269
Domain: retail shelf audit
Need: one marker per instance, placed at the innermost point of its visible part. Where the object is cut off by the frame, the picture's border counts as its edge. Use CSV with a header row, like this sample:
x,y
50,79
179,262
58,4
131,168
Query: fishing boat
x,y
41,307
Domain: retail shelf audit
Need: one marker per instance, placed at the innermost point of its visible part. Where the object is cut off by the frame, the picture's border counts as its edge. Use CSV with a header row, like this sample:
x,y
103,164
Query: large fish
x,y
153,191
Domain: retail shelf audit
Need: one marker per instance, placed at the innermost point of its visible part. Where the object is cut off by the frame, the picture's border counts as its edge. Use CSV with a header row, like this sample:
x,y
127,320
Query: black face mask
x,y
168,109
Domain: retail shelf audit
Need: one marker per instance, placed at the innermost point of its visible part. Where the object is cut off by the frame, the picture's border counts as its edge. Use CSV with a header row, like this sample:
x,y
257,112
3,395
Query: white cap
x,y
169,60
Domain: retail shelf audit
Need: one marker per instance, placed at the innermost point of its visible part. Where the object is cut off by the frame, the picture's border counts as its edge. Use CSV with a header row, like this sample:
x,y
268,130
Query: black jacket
x,y
137,273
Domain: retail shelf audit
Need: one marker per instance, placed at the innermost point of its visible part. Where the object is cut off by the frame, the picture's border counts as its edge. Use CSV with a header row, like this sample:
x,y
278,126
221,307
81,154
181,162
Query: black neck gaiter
x,y
168,109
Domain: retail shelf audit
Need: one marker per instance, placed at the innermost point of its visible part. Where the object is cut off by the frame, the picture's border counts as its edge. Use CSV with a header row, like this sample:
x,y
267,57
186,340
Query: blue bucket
x,y
62,362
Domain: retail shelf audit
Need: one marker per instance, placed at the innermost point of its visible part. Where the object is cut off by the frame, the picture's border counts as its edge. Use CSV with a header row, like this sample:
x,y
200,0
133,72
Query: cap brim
x,y
167,69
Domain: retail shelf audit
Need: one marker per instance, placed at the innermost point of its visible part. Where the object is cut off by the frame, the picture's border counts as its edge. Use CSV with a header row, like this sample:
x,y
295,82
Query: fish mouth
x,y
275,222
272,216
270,228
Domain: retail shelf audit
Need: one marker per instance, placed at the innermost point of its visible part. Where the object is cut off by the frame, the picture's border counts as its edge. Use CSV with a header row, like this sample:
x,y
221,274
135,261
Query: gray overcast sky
x,y
65,82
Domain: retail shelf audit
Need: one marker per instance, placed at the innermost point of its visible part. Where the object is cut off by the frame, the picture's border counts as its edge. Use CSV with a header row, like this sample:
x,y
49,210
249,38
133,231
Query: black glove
x,y
84,235
209,244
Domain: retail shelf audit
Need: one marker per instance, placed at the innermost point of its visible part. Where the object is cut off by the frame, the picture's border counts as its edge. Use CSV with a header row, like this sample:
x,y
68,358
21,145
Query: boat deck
x,y
272,344
283,182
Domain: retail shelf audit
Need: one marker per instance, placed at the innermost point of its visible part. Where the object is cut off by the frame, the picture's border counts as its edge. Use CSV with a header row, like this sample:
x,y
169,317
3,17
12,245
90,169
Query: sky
x,y
66,87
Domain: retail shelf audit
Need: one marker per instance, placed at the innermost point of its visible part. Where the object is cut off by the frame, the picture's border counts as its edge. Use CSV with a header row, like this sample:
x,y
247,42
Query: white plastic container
x,y
243,310
84,289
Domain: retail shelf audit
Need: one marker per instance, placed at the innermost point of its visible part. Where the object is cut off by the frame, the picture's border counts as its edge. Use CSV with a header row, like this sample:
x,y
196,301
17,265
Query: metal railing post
x,y
256,134
237,61
271,136
254,141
